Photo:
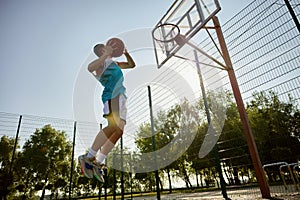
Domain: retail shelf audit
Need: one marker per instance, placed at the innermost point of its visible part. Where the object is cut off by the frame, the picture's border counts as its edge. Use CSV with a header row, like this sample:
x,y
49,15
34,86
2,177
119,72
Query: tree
x,y
188,120
179,123
46,159
223,111
233,148
275,127
144,144
6,179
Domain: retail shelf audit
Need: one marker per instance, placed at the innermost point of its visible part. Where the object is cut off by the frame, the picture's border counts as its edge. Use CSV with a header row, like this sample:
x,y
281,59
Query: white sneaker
x,y
98,171
86,165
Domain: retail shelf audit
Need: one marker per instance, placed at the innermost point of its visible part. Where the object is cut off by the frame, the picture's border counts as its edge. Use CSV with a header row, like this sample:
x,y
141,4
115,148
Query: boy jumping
x,y
109,74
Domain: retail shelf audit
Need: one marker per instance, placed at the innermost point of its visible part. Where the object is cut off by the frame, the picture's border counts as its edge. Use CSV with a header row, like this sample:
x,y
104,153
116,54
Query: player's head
x,y
98,49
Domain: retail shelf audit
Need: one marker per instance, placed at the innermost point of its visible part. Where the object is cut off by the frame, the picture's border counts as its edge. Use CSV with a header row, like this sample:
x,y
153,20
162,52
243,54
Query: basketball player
x,y
109,74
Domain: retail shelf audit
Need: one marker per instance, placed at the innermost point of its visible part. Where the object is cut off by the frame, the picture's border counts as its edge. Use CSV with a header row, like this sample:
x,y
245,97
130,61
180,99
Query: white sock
x,y
101,157
91,153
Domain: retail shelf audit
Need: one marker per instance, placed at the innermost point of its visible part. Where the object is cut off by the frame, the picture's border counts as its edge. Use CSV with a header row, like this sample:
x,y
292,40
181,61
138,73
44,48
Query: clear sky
x,y
44,43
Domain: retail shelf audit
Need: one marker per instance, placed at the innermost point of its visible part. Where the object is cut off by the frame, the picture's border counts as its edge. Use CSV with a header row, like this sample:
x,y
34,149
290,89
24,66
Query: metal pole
x,y
131,196
215,149
105,174
122,170
264,187
10,176
154,144
99,184
15,145
288,5
99,191
115,178
72,161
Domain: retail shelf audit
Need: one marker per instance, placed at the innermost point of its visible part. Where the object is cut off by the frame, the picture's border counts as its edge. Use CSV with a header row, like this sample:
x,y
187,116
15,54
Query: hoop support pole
x,y
263,184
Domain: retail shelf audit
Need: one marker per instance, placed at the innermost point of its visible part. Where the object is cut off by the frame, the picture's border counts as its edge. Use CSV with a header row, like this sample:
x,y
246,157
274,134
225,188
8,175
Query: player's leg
x,y
87,161
106,148
105,133
118,121
118,107
110,143
98,162
101,138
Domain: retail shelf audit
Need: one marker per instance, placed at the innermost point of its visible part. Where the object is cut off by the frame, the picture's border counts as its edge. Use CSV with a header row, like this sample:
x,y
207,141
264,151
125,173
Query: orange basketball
x,y
118,46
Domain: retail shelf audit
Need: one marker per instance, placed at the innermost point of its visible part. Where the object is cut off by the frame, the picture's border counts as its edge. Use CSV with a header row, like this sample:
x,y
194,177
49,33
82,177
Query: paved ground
x,y
210,196
233,194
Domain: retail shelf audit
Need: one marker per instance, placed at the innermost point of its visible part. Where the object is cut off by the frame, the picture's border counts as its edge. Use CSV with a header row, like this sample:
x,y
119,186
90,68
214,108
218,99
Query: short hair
x,y
97,48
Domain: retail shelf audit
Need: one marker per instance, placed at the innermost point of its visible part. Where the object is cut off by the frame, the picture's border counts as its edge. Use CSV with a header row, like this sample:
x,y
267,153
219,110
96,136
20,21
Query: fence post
x,y
215,149
6,183
72,161
122,170
15,145
288,5
154,145
114,175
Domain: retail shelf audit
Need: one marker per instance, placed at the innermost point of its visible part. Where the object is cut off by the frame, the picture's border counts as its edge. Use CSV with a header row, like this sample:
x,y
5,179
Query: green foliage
x,y
176,124
43,163
6,179
6,149
275,126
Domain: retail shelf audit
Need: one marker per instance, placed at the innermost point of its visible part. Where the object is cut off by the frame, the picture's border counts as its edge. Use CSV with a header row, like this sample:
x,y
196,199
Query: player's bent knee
x,y
119,132
116,136
121,124
108,131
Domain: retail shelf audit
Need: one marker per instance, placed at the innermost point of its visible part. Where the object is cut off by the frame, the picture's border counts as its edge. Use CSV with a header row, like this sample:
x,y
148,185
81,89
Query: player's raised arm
x,y
130,62
102,52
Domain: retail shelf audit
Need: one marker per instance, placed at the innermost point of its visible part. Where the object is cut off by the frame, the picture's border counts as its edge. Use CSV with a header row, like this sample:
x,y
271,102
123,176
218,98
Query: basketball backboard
x,y
190,16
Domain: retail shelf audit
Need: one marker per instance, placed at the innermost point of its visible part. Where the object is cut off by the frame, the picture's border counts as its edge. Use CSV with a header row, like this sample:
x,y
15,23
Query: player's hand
x,y
112,45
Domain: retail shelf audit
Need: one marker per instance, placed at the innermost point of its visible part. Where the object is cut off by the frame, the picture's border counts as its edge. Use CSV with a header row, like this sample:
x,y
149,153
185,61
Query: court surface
x,y
239,194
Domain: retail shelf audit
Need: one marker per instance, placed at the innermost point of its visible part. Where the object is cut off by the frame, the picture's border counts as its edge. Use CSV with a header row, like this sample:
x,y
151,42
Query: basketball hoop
x,y
168,37
168,34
